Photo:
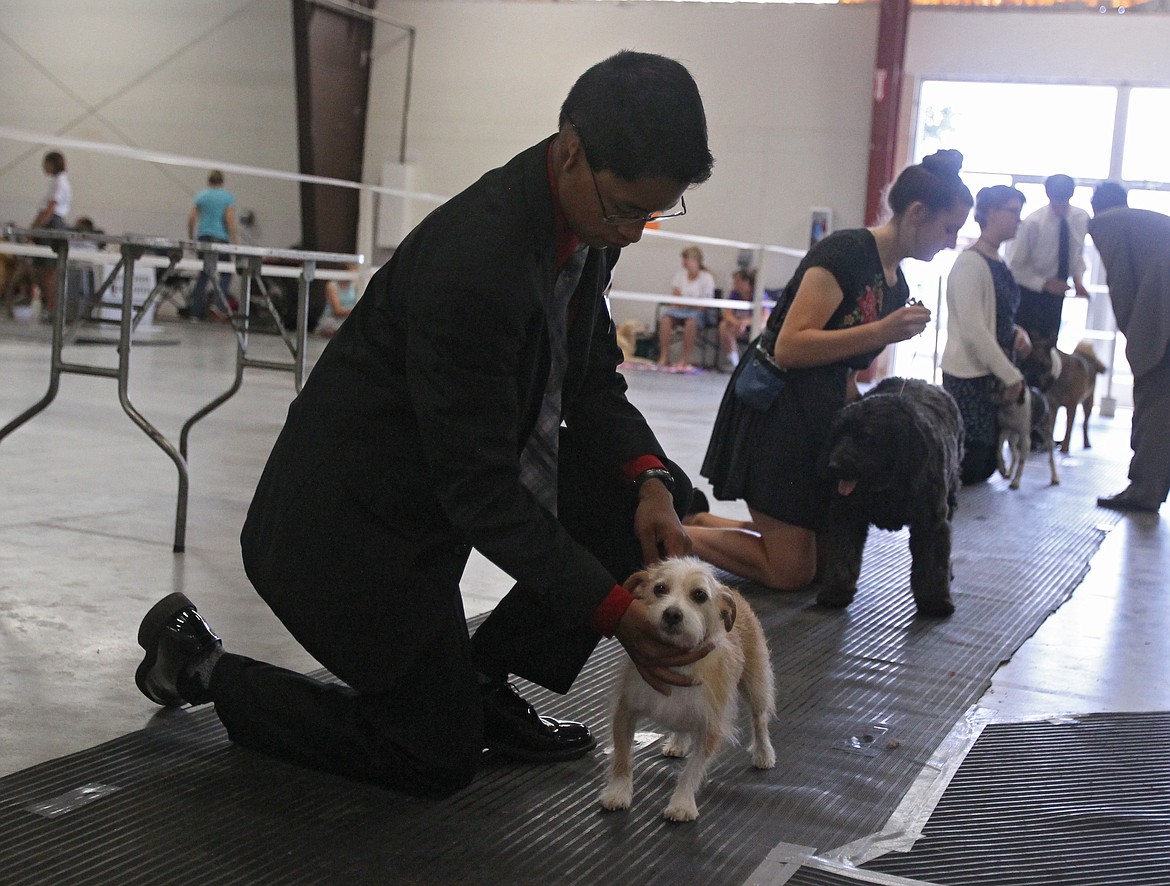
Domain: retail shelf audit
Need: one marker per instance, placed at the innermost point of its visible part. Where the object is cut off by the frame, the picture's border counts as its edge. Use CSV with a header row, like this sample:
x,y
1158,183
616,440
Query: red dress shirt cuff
x,y
610,612
634,469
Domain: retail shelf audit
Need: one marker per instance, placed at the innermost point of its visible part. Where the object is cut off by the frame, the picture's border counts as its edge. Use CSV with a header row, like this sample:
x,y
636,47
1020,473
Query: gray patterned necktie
x,y
538,460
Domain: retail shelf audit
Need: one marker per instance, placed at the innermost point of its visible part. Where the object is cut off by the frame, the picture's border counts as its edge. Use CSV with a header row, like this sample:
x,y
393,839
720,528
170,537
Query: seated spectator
x,y
735,325
340,298
692,281
81,283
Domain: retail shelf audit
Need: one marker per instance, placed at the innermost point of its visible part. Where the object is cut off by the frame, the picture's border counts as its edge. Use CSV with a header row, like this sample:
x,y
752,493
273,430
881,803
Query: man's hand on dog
x,y
654,659
657,526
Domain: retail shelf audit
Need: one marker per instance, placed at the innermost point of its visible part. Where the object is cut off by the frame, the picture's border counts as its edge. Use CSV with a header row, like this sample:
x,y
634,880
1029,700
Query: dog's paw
x,y
676,745
763,756
683,809
936,607
617,794
835,597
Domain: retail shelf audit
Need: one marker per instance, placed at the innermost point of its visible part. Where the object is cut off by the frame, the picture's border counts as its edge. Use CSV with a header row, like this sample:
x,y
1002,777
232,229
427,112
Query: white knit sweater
x,y
971,348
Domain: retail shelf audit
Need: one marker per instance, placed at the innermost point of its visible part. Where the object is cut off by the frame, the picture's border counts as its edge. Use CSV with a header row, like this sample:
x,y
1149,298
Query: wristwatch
x,y
655,474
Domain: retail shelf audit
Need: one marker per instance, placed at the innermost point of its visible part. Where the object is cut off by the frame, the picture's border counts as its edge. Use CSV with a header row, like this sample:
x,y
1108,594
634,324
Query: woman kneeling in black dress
x,y
846,301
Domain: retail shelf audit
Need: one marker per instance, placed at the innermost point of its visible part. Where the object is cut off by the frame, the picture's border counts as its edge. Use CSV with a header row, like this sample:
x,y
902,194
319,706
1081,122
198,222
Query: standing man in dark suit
x,y
1135,249
432,424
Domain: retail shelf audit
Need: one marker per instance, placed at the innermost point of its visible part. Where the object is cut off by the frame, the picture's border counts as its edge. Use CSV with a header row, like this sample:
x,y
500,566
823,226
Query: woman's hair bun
x,y
945,162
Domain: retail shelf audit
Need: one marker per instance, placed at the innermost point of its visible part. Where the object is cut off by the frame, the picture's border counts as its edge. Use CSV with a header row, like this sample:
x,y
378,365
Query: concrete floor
x,y
87,515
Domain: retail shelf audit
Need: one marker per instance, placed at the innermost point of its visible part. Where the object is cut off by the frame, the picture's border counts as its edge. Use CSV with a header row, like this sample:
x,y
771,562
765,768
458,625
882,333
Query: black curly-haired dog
x,y
893,457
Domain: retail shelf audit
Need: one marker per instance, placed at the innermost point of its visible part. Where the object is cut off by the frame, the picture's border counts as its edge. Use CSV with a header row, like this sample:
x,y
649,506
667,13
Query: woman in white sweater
x,y
982,338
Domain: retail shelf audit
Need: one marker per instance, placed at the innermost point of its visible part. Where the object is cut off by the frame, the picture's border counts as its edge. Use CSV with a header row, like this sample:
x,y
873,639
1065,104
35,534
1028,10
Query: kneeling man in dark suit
x,y
471,399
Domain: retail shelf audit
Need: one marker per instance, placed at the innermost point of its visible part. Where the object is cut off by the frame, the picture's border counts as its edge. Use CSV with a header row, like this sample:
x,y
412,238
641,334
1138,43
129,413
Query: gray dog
x,y
893,457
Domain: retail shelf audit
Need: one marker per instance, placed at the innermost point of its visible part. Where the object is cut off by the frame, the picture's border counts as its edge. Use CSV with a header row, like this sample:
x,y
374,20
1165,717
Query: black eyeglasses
x,y
616,218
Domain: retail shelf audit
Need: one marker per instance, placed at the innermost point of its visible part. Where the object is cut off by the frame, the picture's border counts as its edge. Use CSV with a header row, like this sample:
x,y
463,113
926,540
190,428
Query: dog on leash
x,y
893,459
1018,419
1068,380
690,608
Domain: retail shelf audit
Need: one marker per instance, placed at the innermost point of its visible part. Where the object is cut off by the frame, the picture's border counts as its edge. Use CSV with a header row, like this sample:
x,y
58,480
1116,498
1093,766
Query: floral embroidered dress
x,y
769,459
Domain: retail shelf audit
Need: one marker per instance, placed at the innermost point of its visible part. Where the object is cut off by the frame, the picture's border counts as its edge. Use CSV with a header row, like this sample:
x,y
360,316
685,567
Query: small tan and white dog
x,y
691,607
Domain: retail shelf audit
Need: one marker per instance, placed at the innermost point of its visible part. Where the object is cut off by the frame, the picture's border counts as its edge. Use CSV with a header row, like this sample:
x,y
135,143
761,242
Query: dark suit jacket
x,y
1135,248
411,424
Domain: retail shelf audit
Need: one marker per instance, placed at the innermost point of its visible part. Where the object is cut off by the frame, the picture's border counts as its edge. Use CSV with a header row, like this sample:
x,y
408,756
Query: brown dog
x,y
1068,380
690,608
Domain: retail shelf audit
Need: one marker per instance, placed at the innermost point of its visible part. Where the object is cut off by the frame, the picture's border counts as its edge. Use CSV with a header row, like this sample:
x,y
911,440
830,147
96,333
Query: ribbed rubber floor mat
x,y
1085,802
865,696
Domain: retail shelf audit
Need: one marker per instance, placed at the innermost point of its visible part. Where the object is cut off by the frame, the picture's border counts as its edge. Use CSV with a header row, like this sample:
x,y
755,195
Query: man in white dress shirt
x,y
1047,252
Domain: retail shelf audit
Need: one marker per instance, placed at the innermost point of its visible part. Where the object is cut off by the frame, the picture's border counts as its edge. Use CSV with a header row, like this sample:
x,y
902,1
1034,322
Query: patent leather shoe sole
x,y
172,634
566,741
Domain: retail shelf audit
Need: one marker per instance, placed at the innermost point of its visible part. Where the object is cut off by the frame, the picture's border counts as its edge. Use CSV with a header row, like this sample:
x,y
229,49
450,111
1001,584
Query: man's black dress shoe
x,y
1126,501
174,636
513,729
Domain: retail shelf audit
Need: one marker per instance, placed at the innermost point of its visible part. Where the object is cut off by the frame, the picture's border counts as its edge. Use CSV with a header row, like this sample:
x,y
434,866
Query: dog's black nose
x,y
672,616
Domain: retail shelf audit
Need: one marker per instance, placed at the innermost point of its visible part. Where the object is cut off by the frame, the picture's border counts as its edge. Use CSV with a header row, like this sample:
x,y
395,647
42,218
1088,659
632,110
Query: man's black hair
x,y
1059,187
640,116
1109,195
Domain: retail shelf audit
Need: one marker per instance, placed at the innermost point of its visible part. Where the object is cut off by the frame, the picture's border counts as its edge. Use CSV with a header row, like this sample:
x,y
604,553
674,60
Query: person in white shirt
x,y
982,335
692,281
51,214
1048,251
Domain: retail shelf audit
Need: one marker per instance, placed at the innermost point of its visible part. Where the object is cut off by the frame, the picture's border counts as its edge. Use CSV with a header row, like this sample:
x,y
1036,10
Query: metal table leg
x,y
61,248
129,321
298,345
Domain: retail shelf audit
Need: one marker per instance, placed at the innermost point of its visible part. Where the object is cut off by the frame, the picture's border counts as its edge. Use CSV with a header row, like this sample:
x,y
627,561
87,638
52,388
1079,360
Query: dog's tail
x,y
1085,351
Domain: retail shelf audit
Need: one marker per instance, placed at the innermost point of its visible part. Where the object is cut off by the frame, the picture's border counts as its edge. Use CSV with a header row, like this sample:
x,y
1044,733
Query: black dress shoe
x,y
174,636
513,729
1126,501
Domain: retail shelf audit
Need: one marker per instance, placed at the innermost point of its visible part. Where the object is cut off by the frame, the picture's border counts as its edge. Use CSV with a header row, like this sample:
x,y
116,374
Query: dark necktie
x,y
1062,251
538,460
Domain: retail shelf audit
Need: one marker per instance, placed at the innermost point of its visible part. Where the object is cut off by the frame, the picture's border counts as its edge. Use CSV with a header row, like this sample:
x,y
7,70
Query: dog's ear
x,y
631,584
727,609
910,445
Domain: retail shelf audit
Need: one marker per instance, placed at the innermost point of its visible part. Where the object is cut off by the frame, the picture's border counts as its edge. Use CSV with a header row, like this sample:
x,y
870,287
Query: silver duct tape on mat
x,y
780,865
71,800
818,872
904,826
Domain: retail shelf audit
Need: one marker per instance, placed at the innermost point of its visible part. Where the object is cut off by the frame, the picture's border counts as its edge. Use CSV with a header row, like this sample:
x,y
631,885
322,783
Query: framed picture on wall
x,y
820,224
